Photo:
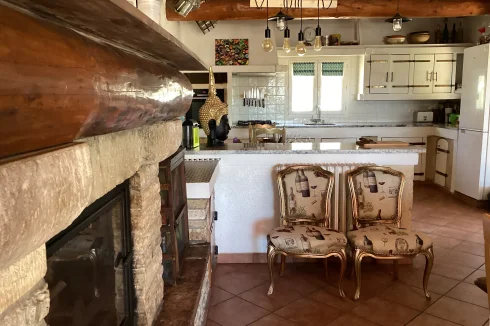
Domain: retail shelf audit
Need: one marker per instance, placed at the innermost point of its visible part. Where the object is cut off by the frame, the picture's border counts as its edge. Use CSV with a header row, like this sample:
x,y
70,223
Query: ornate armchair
x,y
267,130
305,194
376,197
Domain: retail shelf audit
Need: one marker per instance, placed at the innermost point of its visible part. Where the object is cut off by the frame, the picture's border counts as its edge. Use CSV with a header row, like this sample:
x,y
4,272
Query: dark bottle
x,y
437,38
187,132
292,202
373,186
360,196
378,217
453,34
445,33
459,34
305,185
297,181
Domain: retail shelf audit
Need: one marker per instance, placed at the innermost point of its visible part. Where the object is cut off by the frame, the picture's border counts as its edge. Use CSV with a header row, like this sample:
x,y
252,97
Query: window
x,y
317,84
332,82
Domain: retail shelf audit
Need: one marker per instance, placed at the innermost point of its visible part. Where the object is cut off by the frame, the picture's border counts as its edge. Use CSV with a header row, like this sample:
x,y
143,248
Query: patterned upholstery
x,y
387,241
304,239
376,195
304,193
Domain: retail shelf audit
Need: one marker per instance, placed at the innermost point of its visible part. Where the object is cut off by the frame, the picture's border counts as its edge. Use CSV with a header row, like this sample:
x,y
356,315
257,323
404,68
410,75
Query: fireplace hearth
x,y
90,266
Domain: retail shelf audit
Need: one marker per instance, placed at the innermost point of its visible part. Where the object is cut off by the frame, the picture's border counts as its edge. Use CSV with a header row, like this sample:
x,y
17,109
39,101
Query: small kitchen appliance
x,y
424,116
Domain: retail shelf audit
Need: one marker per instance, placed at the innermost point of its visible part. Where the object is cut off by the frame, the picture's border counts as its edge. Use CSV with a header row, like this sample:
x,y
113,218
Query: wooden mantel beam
x,y
241,10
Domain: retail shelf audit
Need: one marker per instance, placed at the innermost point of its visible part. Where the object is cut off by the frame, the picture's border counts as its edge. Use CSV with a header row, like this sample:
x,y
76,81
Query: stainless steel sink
x,y
319,124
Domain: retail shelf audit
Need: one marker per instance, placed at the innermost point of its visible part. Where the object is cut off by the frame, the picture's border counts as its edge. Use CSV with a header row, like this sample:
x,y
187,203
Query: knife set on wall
x,y
254,97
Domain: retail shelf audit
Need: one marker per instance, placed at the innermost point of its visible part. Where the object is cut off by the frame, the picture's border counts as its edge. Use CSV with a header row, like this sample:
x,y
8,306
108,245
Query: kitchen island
x,y
246,195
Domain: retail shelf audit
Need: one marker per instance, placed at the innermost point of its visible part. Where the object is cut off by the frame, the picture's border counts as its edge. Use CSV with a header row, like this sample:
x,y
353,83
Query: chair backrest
x,y
305,193
281,132
376,195
257,126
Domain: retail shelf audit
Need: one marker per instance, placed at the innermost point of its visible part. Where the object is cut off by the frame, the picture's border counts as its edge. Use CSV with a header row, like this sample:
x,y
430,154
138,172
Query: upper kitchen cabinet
x,y
410,73
433,73
389,74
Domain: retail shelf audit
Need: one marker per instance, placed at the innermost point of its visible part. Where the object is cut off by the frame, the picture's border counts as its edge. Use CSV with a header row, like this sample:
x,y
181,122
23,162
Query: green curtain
x,y
303,69
332,68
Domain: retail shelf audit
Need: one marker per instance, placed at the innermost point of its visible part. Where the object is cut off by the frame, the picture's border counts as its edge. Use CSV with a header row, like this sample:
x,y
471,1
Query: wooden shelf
x,y
118,23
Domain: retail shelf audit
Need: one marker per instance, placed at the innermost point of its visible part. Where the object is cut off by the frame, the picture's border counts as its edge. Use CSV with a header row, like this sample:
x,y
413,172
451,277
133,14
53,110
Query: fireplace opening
x,y
90,266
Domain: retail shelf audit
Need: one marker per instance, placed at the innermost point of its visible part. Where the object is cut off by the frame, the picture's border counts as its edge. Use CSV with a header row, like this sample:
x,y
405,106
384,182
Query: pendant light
x,y
281,20
286,46
300,46
398,19
267,43
318,33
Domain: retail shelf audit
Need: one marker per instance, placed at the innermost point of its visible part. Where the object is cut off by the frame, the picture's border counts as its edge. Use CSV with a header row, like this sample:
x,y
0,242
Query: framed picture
x,y
231,52
334,39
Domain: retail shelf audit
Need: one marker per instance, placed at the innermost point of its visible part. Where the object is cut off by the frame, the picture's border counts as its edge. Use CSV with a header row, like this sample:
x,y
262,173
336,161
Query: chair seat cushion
x,y
388,240
303,239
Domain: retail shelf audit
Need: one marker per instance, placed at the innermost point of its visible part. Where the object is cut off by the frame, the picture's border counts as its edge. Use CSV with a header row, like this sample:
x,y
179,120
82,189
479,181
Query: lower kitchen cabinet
x,y
419,169
439,162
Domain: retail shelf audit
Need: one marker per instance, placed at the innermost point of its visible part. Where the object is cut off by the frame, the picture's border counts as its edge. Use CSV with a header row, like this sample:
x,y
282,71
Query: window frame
x,y
317,85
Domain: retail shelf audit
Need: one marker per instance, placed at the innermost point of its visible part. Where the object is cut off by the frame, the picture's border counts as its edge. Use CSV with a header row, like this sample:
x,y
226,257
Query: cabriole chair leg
x,y
343,264
357,266
429,261
270,261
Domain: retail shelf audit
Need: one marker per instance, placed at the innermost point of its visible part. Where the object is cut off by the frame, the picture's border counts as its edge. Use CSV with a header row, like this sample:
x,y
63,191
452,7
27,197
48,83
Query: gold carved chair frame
x,y
358,253
286,220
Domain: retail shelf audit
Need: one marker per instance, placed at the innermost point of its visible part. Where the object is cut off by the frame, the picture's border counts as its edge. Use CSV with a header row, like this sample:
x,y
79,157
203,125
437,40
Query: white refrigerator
x,y
473,155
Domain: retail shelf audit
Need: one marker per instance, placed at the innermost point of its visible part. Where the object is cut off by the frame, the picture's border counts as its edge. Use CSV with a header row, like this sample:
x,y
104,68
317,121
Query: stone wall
x,y
146,222
199,221
42,193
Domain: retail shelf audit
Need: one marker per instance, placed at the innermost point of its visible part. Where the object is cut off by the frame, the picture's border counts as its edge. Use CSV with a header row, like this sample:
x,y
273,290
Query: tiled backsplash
x,y
276,108
276,101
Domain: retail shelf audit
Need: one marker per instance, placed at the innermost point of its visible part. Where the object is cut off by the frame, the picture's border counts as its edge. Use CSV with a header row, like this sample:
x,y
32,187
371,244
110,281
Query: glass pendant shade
x,y
267,44
397,20
300,46
281,24
286,46
318,39
280,18
397,24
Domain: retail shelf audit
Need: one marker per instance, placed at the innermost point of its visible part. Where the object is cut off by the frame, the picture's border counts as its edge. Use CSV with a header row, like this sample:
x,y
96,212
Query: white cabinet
x,y
442,156
433,73
379,76
422,73
399,74
389,74
419,169
409,73
444,75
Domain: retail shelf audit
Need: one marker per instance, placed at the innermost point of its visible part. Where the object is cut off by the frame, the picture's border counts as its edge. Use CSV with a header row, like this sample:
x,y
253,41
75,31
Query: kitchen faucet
x,y
318,118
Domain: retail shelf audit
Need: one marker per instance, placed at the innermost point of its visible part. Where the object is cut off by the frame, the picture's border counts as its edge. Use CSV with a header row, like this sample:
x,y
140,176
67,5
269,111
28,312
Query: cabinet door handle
x,y
436,77
386,76
392,76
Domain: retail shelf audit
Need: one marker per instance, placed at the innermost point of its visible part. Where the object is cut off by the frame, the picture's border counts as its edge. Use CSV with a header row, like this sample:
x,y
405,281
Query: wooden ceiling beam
x,y
241,10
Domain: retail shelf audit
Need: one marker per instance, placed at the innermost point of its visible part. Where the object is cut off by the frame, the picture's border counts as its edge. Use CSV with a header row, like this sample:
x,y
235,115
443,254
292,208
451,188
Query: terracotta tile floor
x,y
304,296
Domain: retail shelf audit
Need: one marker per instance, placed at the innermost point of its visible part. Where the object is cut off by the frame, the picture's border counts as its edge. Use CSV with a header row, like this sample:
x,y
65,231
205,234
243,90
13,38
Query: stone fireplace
x,y
42,195
91,95
90,265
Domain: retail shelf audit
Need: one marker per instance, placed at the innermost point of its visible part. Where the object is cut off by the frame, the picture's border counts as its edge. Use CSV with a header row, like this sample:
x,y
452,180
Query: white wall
x,y
203,45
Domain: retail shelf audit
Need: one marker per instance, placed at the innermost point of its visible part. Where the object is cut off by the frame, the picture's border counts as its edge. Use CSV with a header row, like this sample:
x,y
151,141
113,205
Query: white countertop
x,y
365,125
300,148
